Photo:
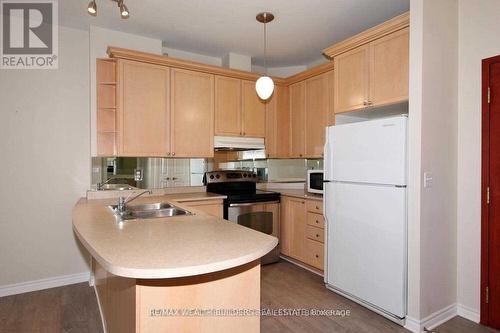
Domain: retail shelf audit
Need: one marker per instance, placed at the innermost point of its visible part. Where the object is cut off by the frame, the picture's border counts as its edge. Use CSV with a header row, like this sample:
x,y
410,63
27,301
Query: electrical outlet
x,y
428,179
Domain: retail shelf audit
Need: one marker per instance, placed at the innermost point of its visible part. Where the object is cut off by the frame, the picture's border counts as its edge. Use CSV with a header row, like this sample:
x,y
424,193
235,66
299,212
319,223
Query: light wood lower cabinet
x,y
211,207
192,105
302,231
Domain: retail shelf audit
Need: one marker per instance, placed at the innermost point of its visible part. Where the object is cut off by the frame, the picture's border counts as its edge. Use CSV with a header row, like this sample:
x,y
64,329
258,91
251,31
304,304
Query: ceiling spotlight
x,y
124,13
92,8
123,10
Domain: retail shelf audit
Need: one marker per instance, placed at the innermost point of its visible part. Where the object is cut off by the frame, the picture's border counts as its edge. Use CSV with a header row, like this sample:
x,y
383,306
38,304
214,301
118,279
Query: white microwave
x,y
315,181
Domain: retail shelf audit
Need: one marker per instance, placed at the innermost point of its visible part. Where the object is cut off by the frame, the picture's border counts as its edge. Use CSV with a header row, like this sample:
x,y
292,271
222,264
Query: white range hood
x,y
238,143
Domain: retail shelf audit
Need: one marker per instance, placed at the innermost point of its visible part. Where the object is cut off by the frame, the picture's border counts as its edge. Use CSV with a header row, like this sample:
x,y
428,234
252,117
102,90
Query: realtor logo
x,y
29,34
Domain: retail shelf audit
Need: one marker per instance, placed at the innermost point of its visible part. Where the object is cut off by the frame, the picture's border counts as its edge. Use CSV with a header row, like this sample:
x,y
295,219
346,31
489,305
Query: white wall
x,y
434,108
45,150
100,39
478,27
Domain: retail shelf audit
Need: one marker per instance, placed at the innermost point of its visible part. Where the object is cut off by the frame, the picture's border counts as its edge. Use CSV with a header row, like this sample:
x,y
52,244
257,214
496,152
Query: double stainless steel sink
x,y
148,211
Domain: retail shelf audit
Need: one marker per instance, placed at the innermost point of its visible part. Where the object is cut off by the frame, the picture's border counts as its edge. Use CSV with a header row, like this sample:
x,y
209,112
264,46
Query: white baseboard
x,y
433,320
57,281
468,313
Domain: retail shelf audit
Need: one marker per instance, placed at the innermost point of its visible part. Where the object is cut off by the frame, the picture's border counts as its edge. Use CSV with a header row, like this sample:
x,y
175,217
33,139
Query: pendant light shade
x,y
264,85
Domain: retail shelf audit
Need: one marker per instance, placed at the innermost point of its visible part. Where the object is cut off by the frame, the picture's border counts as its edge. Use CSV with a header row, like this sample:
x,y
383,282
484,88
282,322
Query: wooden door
x,y
389,59
490,213
317,102
351,80
278,124
192,114
227,106
143,110
253,111
286,229
297,119
297,218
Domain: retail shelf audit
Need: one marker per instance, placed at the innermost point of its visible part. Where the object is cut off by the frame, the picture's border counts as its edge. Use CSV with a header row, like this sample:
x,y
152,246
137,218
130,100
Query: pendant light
x,y
264,85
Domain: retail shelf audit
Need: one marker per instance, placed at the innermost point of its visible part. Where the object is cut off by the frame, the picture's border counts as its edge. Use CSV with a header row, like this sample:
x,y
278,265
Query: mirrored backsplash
x,y
151,172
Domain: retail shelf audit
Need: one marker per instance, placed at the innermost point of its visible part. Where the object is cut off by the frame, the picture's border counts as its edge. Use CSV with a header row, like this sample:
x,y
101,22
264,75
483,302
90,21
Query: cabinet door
x,y
192,114
253,111
351,80
316,114
286,229
297,119
278,124
297,215
227,106
143,110
389,57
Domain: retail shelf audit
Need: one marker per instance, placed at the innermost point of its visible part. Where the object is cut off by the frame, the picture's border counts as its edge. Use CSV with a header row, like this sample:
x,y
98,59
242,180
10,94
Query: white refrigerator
x,y
365,213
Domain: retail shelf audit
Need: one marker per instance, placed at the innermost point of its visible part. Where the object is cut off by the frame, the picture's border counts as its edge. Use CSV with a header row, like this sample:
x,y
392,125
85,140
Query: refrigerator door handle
x,y
327,157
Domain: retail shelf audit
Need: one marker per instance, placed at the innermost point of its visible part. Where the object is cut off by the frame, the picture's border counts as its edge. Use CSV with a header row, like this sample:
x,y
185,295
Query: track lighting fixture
x,y
124,13
92,8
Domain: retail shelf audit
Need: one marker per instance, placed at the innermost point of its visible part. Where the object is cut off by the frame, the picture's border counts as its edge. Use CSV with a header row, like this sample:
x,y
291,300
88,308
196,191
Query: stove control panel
x,y
224,176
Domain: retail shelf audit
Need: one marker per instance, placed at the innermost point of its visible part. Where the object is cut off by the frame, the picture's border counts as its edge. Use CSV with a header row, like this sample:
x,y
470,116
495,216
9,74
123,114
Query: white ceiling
x,y
302,28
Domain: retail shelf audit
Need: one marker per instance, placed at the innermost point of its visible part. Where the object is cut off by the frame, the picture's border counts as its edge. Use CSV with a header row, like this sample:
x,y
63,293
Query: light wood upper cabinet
x,y
227,106
317,106
143,109
278,124
389,59
374,74
192,105
297,119
351,80
253,111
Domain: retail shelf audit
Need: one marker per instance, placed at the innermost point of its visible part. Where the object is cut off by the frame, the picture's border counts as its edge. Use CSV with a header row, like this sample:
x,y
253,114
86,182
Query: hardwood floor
x,y
74,309
65,309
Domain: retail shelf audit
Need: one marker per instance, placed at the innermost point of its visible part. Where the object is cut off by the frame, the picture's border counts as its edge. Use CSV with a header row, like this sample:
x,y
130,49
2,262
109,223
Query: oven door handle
x,y
252,203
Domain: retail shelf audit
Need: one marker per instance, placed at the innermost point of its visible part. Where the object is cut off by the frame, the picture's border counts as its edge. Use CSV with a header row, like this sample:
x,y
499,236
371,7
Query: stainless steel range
x,y
245,205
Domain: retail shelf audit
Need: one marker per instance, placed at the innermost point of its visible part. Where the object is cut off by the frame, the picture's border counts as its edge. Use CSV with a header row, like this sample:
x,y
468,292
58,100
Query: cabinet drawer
x,y
315,206
316,234
316,220
315,253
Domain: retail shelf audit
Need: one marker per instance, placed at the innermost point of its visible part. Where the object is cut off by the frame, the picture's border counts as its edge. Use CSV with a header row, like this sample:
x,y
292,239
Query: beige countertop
x,y
298,193
166,247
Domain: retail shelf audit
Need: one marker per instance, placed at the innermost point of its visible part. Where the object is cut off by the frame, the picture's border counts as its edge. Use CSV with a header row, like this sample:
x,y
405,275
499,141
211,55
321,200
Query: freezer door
x,y
367,246
369,152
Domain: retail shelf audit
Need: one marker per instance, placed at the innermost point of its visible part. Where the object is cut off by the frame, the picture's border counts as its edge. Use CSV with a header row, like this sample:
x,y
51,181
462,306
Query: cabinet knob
x,y
317,235
173,154
370,103
168,154
317,256
317,207
317,221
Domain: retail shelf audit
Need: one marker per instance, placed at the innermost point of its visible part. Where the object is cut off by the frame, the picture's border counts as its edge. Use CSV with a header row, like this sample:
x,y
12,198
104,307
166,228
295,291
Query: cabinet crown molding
x,y
397,23
156,59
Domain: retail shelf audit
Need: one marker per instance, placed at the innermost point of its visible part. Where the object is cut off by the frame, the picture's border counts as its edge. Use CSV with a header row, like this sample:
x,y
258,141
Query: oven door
x,y
260,216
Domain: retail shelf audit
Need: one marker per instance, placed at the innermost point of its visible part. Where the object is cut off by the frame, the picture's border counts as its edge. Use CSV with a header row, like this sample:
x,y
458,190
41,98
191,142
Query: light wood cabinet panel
x,y
316,110
253,111
315,206
389,58
192,105
278,124
227,106
315,254
143,117
297,217
351,80
316,234
286,226
315,220
211,207
297,119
